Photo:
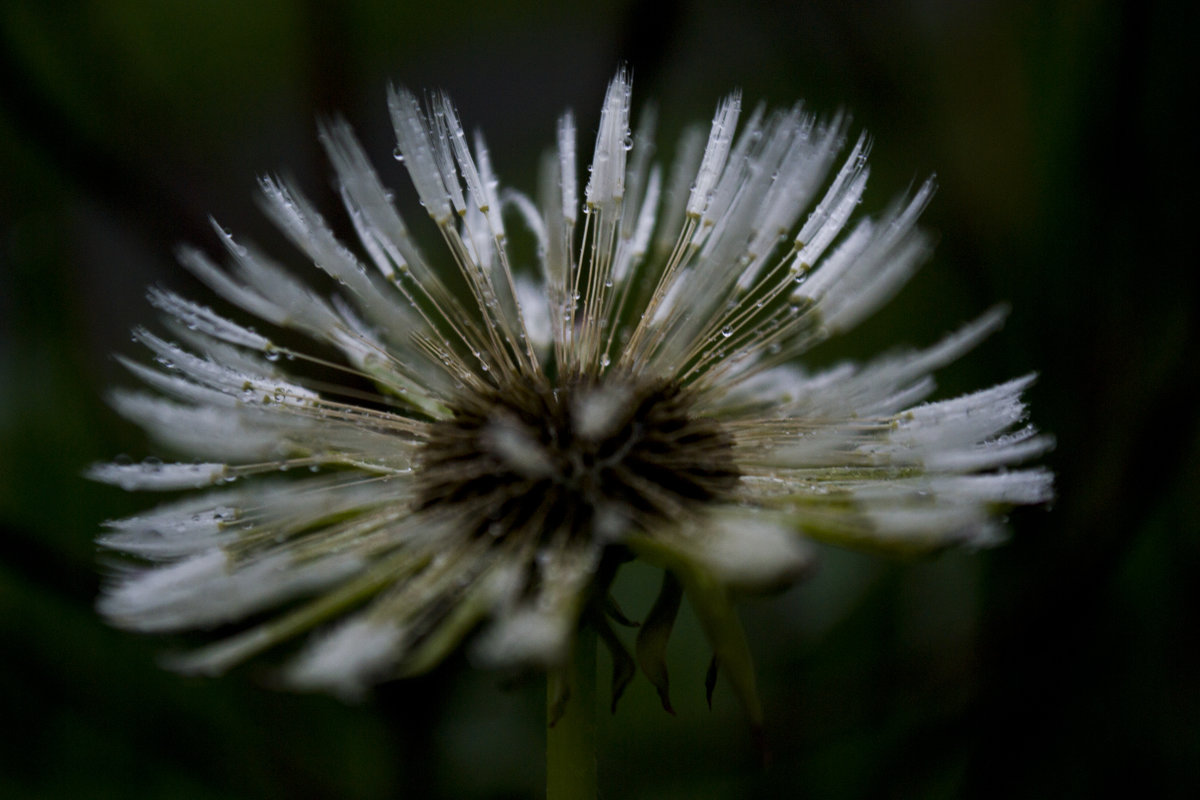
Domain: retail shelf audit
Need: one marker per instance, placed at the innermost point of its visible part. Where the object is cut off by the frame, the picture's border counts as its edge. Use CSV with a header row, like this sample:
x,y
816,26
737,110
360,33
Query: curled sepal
x,y
710,600
623,666
728,641
730,652
614,612
558,692
653,636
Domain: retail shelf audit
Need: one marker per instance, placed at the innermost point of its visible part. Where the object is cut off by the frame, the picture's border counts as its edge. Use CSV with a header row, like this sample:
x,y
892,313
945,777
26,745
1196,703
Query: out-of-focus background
x,y
1061,665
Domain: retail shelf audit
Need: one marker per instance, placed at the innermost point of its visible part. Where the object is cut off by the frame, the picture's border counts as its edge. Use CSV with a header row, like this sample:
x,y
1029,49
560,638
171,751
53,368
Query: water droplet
x,y
397,154
727,331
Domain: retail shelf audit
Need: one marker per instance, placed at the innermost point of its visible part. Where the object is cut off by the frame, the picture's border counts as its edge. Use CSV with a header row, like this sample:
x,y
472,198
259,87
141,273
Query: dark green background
x,y
1062,665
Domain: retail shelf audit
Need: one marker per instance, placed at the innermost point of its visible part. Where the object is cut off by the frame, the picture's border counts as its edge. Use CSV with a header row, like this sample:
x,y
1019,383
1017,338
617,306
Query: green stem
x,y
571,741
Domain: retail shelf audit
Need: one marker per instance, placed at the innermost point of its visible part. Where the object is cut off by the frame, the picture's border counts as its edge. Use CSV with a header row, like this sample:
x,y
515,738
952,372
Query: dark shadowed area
x,y
1060,665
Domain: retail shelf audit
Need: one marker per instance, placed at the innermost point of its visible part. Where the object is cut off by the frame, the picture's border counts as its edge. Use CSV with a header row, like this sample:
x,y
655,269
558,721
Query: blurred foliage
x,y
1061,665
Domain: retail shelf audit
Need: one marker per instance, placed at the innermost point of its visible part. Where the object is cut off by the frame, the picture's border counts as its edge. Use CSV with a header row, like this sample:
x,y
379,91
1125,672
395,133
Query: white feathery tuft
x,y
720,138
514,444
751,553
348,659
606,187
417,150
159,477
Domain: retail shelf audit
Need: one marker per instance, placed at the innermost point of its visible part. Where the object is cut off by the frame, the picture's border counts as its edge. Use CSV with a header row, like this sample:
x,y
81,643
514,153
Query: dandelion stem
x,y
571,739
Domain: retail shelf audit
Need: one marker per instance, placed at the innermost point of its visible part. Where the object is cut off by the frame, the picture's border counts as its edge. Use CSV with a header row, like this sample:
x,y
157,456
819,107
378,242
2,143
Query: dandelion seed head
x,y
638,390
